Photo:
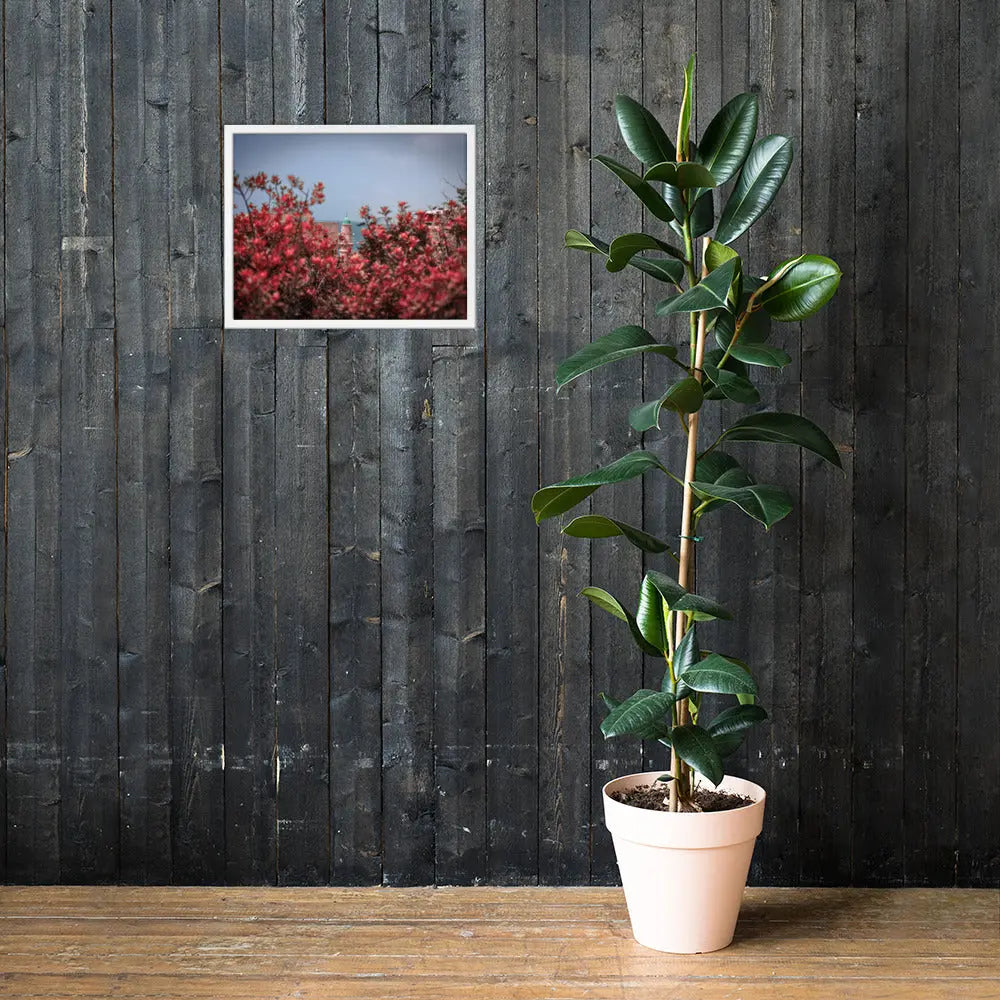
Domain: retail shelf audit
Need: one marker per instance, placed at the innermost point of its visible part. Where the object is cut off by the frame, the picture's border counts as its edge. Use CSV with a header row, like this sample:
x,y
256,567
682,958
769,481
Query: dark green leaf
x,y
624,248
688,653
640,715
596,526
728,743
803,289
710,293
606,602
761,177
679,599
684,396
736,719
671,271
703,215
715,464
784,428
695,746
649,616
728,138
767,504
642,133
561,497
717,675
625,342
716,254
645,192
731,385
754,332
766,357
681,175
610,703
665,777
575,240
687,106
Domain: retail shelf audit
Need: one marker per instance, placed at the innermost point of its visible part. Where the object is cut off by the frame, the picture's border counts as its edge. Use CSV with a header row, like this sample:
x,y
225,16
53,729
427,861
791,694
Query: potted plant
x,y
689,834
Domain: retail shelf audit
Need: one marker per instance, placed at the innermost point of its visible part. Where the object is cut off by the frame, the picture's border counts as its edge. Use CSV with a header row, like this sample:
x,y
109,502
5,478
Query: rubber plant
x,y
728,312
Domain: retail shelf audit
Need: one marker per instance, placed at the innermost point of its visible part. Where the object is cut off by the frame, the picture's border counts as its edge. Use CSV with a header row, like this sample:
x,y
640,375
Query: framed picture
x,y
350,226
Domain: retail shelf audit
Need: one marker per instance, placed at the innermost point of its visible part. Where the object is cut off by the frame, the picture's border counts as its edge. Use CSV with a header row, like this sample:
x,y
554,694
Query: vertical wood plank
x,y
827,500
355,608
142,280
196,692
510,152
931,559
88,779
459,615
457,59
248,506
33,225
978,702
407,526
352,96
564,443
771,611
880,437
301,610
615,299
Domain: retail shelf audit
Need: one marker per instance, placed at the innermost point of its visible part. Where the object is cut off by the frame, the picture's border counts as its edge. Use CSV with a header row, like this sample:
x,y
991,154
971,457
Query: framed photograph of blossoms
x,y
333,226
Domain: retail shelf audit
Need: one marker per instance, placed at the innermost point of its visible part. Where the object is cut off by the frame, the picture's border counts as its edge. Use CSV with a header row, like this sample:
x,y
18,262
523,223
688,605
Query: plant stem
x,y
685,570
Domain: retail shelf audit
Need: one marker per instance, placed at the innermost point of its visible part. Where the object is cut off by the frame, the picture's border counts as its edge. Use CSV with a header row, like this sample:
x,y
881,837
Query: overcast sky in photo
x,y
359,169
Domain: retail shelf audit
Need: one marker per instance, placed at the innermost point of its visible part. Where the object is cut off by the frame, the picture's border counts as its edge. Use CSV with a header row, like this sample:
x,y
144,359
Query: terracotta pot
x,y
683,873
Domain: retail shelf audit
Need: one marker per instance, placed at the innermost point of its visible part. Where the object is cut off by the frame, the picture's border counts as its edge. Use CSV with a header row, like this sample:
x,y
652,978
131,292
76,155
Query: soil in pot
x,y
657,798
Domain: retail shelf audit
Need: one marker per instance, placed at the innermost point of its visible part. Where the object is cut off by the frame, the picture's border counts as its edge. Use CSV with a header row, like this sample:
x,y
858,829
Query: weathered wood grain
x,y
880,445
33,226
510,144
301,610
196,688
457,383
978,701
142,318
932,393
615,299
827,366
564,449
355,607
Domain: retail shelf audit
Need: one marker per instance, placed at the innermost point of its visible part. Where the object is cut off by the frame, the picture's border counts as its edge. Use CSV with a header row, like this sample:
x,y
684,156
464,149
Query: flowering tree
x,y
288,266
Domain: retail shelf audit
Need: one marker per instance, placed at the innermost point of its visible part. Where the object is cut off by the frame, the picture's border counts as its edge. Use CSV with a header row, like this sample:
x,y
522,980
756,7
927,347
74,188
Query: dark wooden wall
x,y
275,606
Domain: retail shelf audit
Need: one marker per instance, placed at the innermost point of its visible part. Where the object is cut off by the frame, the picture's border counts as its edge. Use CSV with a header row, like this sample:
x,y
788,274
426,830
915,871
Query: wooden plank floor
x,y
487,944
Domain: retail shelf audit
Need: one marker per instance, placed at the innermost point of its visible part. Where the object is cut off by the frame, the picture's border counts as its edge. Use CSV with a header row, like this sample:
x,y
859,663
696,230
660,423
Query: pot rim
x,y
685,816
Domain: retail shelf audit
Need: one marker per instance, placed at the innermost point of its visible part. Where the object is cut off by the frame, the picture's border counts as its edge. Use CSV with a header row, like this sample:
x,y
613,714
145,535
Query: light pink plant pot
x,y
683,873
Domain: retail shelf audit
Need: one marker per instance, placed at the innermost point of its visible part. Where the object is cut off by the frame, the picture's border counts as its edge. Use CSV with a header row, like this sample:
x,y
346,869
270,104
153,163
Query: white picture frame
x,y
231,322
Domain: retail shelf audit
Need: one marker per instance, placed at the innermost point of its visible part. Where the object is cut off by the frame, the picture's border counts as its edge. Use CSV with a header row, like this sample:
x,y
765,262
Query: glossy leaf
x,y
736,719
727,744
767,504
641,714
688,652
649,616
729,136
731,385
695,746
716,254
624,342
558,498
710,293
608,603
645,192
754,332
762,175
575,240
642,133
596,526
681,175
719,468
703,215
717,675
671,271
684,396
784,428
763,355
679,599
624,248
687,106
804,289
